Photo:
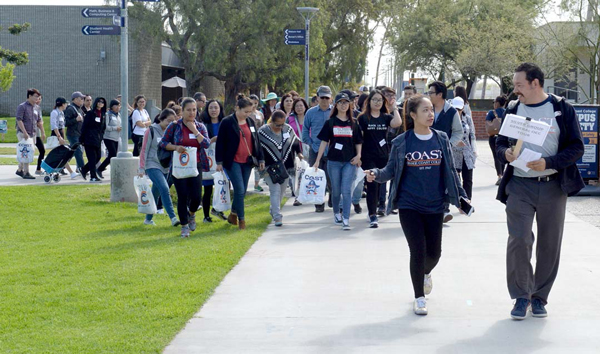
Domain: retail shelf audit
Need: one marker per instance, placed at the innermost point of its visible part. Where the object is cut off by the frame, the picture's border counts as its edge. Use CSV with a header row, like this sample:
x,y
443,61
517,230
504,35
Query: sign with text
x,y
588,121
100,12
525,129
295,36
101,30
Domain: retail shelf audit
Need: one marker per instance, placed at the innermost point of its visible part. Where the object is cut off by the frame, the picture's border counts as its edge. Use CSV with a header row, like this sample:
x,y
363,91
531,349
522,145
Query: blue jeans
x,y
78,153
356,193
342,175
239,174
160,188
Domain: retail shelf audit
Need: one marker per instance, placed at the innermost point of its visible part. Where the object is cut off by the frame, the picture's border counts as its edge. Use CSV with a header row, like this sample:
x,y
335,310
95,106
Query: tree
x,y
12,58
566,47
471,38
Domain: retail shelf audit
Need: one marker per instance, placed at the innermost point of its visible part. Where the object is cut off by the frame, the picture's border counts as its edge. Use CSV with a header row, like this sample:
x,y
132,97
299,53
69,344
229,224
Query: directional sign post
x,y
295,36
101,30
100,12
307,13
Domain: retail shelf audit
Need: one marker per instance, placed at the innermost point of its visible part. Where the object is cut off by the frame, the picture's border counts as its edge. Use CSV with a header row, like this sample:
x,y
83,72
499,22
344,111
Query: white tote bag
x,y
221,194
143,189
212,164
185,164
312,187
52,142
25,151
301,167
360,175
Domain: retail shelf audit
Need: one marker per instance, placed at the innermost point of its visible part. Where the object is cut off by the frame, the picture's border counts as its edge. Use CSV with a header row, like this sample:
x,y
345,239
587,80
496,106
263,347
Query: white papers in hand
x,y
525,157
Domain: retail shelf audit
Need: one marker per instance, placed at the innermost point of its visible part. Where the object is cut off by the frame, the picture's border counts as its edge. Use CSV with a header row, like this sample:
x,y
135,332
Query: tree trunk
x,y
381,52
469,87
484,87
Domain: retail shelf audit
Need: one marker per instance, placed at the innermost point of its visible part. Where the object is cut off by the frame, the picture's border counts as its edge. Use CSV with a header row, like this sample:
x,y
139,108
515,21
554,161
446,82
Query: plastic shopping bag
x,y
360,175
221,196
312,187
52,142
143,189
301,166
25,151
212,164
185,164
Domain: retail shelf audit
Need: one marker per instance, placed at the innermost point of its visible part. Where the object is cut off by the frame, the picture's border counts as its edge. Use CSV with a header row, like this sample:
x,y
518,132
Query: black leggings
x,y
467,179
40,146
93,154
137,143
207,200
497,163
374,189
189,192
424,236
112,147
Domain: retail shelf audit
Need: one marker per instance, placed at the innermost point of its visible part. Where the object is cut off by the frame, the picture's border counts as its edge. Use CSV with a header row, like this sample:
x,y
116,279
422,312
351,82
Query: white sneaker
x,y
346,225
447,217
420,306
74,175
428,284
160,211
149,222
337,219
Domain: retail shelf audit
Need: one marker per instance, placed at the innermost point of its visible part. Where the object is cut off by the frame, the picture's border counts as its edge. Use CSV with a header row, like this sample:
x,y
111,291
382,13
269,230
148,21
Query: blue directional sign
x,y
295,36
100,12
101,30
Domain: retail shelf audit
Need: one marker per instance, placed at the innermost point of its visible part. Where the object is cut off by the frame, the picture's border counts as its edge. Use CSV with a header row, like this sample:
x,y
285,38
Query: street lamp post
x,y
307,13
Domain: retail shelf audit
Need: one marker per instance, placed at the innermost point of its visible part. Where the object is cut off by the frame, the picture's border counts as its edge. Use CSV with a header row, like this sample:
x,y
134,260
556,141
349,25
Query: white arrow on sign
x,y
85,12
85,30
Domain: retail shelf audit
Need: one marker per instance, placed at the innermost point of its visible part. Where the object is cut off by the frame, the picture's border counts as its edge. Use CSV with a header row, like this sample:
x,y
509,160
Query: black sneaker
x,y
357,208
380,212
19,173
297,203
95,180
538,309
320,208
519,311
329,203
63,172
28,176
218,214
207,219
83,175
373,222
99,173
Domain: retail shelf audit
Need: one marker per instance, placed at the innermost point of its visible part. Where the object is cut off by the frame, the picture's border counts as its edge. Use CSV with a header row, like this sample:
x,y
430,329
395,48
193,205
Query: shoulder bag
x,y
493,127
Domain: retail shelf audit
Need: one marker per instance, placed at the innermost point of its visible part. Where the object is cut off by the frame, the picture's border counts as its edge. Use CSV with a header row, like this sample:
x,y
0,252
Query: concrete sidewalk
x,y
308,287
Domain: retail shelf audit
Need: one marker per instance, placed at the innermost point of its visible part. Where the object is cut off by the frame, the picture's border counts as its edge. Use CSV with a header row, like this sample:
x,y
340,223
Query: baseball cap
x,y
458,103
324,91
60,101
364,88
350,93
341,96
77,94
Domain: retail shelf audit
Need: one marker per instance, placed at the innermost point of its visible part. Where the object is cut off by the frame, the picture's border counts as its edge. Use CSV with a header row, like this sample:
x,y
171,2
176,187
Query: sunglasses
x,y
325,98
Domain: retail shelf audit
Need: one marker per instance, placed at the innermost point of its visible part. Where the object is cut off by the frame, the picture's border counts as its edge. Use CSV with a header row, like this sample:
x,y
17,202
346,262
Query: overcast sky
x,y
372,57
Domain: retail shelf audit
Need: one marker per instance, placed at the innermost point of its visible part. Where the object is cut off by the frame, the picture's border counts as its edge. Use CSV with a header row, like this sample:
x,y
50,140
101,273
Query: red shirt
x,y
189,139
241,156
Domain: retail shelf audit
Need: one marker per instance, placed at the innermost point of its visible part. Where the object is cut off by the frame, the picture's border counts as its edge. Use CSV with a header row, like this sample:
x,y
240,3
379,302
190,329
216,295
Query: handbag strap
x,y
244,138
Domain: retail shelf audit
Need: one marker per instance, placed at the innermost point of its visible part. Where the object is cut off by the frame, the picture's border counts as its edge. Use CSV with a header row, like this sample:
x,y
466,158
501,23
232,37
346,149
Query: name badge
x,y
339,146
158,140
252,129
286,135
98,119
382,142
192,136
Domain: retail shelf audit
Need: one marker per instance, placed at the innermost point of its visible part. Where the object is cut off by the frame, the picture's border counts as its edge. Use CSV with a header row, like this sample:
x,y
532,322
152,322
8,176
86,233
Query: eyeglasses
x,y
429,93
325,98
377,101
343,102
278,125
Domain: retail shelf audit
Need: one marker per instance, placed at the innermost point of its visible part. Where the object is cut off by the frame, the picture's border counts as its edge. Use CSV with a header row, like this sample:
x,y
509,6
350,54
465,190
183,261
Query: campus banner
x,y
588,120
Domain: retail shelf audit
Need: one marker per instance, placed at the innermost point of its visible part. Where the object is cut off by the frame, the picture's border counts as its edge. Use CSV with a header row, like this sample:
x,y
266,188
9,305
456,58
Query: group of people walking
x,y
426,147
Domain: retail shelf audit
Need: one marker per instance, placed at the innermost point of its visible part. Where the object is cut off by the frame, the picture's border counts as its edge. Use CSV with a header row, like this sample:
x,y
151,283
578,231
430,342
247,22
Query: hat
x,y
350,93
458,103
364,88
114,103
270,96
341,96
77,94
60,101
324,91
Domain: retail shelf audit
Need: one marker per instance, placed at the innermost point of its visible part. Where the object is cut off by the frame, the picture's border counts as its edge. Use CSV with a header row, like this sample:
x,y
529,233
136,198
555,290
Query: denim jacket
x,y
395,166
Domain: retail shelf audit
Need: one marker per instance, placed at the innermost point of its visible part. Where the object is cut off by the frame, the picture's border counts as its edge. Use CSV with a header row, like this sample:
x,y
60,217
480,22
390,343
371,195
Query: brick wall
x,y
63,60
479,122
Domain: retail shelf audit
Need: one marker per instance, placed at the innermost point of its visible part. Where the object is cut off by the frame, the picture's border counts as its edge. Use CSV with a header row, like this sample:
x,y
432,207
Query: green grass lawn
x,y
82,275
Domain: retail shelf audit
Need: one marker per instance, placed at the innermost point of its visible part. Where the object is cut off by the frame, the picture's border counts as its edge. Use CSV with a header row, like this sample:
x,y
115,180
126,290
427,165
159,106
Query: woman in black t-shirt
x,y
374,122
343,137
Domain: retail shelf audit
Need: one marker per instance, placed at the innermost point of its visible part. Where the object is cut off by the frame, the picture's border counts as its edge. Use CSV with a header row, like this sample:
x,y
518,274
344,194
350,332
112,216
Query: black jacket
x,y
73,126
92,131
570,149
229,139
